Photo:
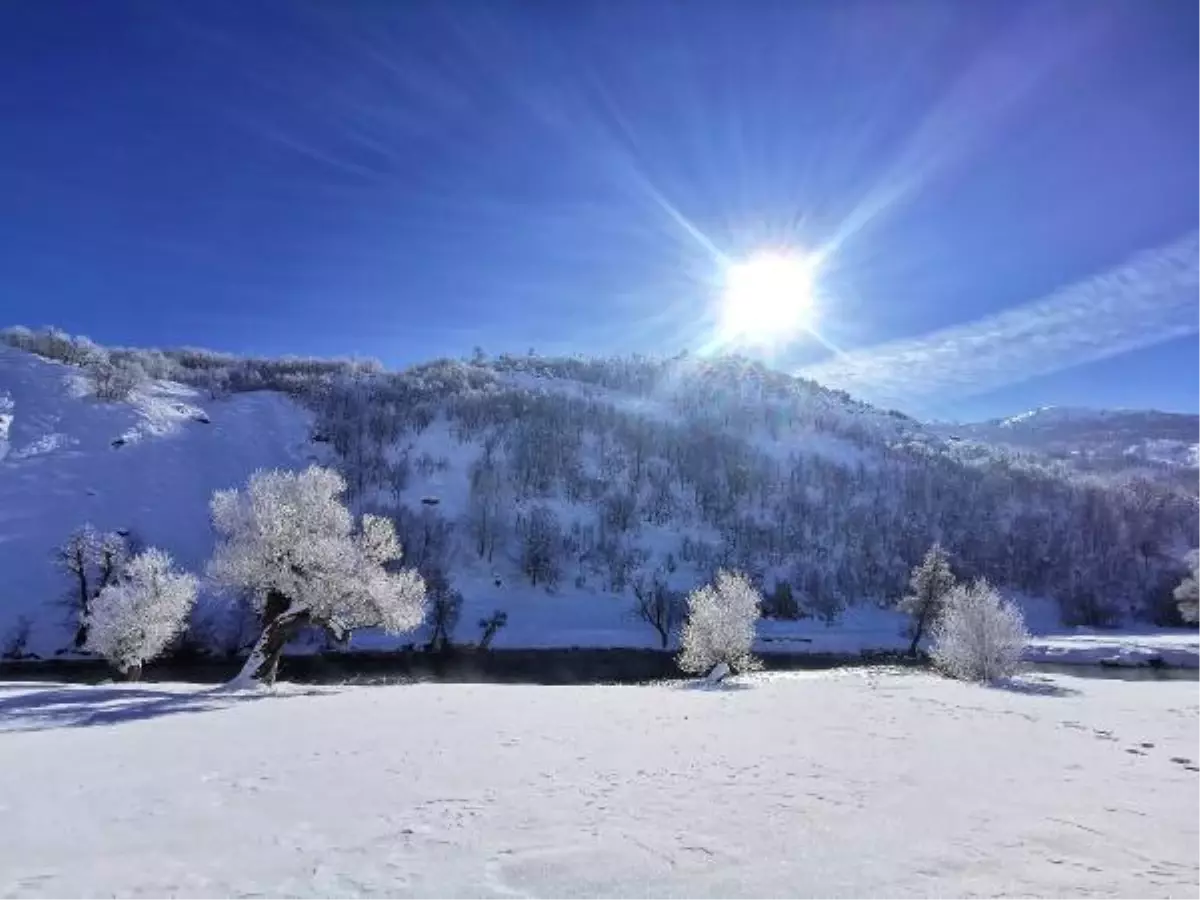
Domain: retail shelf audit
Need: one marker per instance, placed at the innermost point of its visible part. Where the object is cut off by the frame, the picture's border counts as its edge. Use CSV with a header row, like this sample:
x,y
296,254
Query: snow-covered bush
x,y
113,380
289,542
134,618
931,581
978,635
719,628
52,343
19,336
1187,595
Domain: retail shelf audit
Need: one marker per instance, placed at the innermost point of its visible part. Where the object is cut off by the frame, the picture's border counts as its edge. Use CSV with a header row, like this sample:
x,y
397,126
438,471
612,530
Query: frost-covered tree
x,y
113,380
978,635
134,618
719,629
92,560
289,541
928,585
1187,594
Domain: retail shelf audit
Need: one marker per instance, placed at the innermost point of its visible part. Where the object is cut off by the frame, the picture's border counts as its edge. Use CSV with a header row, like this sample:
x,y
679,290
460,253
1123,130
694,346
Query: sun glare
x,y
768,298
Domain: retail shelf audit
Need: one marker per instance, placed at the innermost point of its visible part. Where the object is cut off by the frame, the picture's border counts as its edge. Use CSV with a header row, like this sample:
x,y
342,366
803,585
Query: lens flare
x,y
768,298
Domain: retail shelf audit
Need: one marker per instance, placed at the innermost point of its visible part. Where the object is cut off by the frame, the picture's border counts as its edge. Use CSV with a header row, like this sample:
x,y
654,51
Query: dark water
x,y
1120,673
555,666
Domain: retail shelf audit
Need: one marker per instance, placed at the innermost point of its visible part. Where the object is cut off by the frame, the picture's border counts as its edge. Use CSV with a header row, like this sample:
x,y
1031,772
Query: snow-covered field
x,y
844,783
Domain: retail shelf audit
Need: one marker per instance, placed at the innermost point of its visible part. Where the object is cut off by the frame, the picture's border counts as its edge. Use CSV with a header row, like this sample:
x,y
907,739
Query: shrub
x,y
720,626
978,636
135,618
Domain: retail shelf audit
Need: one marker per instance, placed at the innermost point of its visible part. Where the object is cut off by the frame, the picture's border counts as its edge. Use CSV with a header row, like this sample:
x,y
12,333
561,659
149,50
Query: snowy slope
x,y
1112,439
836,784
149,465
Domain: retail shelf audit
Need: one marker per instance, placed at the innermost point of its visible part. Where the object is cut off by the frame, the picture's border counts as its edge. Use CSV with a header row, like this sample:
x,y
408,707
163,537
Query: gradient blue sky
x,y
408,179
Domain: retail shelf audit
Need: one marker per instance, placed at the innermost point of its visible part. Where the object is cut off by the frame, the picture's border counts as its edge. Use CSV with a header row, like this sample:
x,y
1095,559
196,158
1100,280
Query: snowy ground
x,y
846,783
1172,647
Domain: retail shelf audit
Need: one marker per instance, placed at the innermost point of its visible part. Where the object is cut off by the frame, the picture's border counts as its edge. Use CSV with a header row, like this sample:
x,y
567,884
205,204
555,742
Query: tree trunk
x,y
81,632
280,624
718,674
132,673
918,631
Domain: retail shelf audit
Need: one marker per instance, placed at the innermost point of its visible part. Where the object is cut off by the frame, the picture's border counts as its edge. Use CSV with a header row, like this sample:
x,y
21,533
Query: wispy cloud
x,y
1149,299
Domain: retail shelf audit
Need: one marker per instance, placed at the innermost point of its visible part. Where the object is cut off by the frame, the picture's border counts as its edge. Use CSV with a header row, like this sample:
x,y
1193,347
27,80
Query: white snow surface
x,y
834,784
1174,647
62,469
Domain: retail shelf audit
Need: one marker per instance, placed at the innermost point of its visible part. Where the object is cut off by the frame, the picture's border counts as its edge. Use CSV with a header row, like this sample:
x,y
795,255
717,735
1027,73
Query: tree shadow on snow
x,y
40,708
1034,687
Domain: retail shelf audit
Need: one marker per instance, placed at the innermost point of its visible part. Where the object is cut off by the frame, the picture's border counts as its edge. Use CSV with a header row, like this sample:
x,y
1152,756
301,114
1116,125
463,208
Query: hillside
x,y
555,489
1114,441
147,466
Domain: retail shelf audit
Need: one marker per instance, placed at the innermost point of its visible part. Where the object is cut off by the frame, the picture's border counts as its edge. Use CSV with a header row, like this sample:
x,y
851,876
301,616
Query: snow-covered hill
x,y
555,489
148,466
1150,442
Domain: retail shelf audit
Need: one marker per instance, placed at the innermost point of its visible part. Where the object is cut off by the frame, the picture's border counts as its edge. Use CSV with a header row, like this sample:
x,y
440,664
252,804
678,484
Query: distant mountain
x,y
555,488
1119,441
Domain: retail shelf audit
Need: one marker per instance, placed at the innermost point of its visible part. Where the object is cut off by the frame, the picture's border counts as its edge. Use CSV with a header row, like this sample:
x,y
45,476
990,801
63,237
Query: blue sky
x,y
408,180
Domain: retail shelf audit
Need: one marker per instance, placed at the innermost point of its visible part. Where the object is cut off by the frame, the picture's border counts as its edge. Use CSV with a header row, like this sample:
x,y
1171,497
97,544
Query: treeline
x,y
115,372
820,500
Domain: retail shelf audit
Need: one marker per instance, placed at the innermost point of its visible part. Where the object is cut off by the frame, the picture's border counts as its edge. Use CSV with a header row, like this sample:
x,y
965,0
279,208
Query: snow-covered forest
x,y
623,476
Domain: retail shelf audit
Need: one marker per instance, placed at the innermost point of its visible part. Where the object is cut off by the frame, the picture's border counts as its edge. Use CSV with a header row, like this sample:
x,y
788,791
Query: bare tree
x,y
490,626
541,545
445,607
486,517
658,606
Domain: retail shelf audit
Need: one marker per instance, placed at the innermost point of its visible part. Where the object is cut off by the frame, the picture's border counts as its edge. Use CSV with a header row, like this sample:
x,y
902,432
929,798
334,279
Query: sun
x,y
768,298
